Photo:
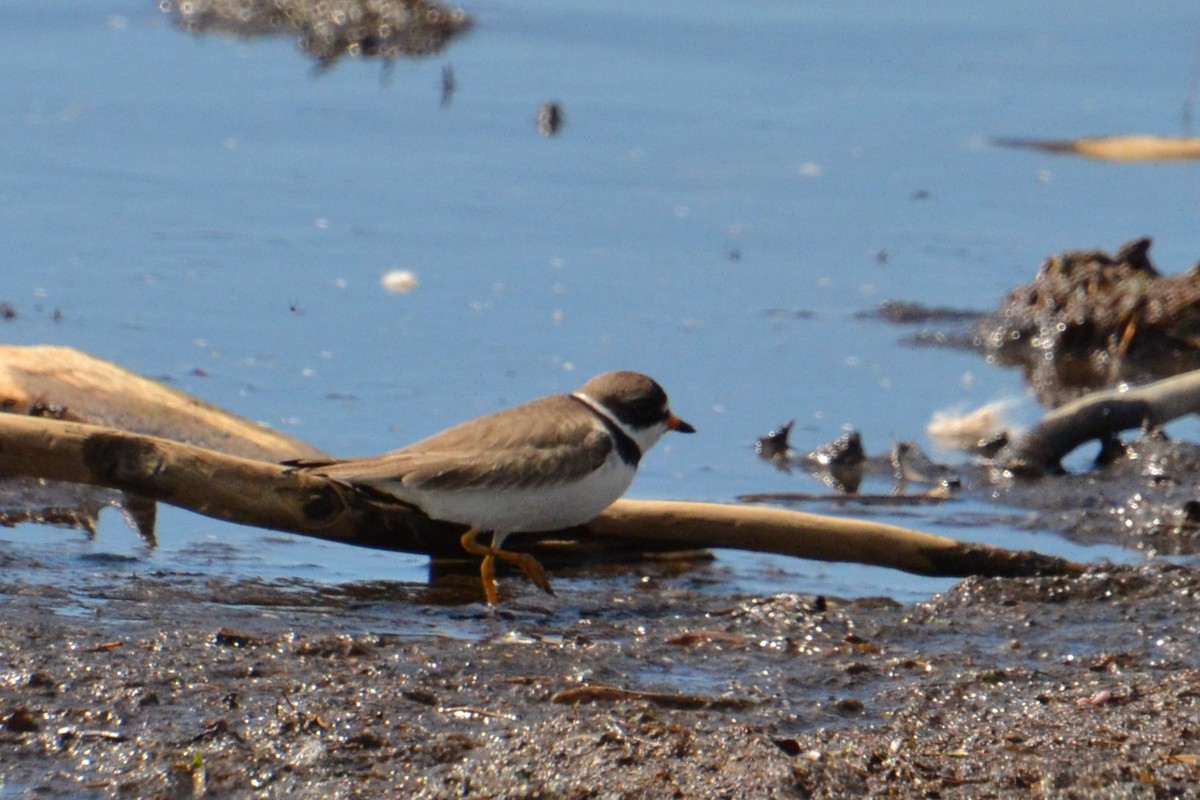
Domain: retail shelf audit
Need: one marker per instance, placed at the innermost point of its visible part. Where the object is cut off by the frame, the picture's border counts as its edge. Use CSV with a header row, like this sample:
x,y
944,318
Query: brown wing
x,y
549,440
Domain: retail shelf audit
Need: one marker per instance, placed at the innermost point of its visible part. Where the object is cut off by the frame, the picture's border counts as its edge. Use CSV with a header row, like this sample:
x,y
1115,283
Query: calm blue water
x,y
209,203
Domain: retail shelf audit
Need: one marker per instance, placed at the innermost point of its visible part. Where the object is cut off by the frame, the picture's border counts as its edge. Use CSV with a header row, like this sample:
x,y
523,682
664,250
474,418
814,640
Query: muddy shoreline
x,y
638,685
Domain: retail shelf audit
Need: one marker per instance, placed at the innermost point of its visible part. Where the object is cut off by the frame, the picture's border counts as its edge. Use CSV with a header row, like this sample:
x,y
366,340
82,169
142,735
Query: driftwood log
x,y
64,383
253,490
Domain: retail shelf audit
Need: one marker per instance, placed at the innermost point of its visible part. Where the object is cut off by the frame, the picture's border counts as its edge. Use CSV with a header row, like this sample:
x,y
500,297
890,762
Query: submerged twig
x,y
590,693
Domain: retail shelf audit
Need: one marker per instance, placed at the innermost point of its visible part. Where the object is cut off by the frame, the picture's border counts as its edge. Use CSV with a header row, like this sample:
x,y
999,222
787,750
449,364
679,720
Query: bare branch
x,y
1100,415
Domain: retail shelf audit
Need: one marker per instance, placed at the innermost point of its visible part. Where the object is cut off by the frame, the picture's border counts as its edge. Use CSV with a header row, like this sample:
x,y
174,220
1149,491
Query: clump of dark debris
x,y
328,30
1090,320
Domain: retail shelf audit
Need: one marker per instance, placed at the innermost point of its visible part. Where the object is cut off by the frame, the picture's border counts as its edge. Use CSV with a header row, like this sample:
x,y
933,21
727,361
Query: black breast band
x,y
627,448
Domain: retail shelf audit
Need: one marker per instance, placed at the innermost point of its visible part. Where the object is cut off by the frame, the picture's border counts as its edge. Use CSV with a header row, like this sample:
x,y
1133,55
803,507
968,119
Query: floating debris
x,y
399,281
840,464
968,431
844,451
910,464
549,118
774,447
449,84
904,312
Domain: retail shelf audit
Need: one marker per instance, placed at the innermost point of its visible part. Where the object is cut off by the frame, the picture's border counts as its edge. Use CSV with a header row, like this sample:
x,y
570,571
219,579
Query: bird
x,y
548,464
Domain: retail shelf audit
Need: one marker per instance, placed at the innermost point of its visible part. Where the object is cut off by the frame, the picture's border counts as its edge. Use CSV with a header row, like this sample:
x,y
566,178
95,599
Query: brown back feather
x,y
510,448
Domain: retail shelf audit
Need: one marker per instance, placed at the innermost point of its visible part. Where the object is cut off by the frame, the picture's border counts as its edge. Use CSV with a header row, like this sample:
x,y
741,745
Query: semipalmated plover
x,y
548,464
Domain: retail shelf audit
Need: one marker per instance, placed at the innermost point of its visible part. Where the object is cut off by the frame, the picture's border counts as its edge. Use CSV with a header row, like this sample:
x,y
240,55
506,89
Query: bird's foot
x,y
487,570
532,569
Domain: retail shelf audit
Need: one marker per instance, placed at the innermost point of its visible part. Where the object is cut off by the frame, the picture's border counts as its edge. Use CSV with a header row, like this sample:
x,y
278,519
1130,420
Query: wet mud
x,y
638,684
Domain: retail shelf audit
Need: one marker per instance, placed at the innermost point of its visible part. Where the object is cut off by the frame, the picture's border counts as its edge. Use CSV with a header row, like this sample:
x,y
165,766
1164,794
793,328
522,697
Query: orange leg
x,y
487,570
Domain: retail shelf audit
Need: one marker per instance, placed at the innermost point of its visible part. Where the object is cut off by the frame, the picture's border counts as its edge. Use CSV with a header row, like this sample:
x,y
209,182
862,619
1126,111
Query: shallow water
x,y
208,211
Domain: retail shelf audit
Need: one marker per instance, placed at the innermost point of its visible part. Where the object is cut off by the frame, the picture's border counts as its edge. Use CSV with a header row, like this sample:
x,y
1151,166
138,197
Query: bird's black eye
x,y
644,413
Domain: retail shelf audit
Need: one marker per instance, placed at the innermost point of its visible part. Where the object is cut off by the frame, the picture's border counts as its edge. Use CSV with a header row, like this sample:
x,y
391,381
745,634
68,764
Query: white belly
x,y
544,508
